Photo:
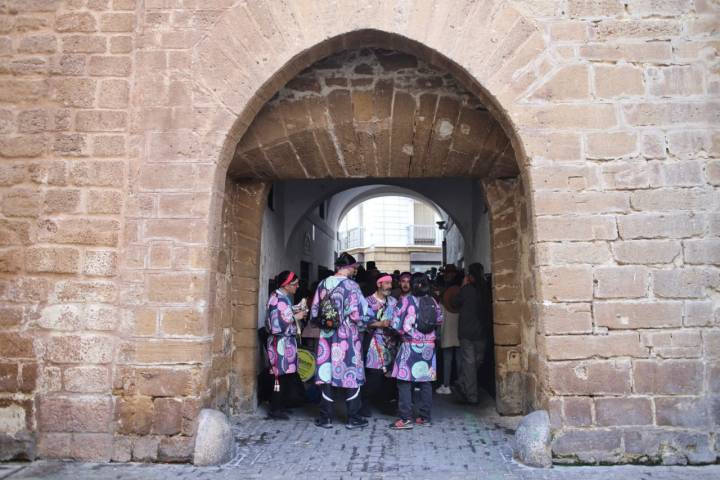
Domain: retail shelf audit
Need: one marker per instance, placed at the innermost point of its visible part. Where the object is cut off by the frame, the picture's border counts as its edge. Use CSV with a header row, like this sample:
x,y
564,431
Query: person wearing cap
x,y
339,352
280,321
382,344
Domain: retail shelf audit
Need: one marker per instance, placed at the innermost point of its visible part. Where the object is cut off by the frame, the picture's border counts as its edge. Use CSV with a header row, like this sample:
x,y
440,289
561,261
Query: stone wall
x,y
65,144
516,355
626,227
235,346
119,120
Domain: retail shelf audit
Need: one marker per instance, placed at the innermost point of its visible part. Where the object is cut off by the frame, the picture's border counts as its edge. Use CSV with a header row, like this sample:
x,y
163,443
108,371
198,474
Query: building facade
x,y
139,140
397,233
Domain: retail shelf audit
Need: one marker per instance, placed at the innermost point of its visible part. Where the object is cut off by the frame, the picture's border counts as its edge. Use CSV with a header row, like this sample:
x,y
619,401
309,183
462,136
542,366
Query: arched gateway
x,y
379,113
363,102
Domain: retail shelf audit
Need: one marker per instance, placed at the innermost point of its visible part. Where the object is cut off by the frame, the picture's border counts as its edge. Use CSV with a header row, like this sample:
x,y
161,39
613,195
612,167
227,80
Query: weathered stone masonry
x,y
125,248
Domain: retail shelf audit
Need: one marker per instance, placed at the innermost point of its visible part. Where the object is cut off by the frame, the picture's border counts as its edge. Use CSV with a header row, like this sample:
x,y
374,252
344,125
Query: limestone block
x,y
623,411
590,377
669,377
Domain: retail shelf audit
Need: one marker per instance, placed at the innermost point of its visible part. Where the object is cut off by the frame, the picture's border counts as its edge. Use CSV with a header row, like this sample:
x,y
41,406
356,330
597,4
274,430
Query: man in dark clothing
x,y
473,326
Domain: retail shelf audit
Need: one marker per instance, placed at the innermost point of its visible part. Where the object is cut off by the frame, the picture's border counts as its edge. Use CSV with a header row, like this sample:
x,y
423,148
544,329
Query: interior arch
x,y
343,196
369,193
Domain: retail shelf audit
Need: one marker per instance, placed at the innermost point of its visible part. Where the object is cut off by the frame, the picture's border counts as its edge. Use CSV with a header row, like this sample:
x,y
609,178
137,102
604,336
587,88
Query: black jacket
x,y
474,321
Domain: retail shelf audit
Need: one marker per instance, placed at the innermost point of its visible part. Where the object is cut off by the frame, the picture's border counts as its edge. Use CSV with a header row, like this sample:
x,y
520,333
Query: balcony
x,y
423,235
353,238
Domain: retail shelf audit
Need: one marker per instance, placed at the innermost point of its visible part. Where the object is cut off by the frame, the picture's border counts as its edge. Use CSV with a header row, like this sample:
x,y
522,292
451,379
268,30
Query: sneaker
x,y
323,422
401,424
356,423
443,390
423,422
278,415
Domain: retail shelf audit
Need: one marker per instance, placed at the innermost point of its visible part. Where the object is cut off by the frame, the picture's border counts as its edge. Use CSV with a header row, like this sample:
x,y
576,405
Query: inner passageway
x,y
392,227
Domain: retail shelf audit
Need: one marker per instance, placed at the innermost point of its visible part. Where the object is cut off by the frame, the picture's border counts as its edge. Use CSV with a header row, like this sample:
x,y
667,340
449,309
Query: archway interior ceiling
x,y
373,113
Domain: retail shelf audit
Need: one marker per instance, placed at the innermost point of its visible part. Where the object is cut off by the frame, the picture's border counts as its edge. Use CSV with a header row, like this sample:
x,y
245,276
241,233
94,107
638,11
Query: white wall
x,y
277,255
272,242
455,246
476,248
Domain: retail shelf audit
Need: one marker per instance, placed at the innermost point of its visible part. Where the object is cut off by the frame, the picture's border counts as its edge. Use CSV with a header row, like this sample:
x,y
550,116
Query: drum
x,y
448,297
306,364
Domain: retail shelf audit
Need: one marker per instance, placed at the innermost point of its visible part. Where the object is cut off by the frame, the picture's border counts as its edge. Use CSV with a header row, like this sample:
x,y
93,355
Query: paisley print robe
x,y
415,359
339,352
281,343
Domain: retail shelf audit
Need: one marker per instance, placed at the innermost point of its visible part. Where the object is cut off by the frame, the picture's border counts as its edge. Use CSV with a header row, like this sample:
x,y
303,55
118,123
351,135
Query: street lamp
x,y
441,226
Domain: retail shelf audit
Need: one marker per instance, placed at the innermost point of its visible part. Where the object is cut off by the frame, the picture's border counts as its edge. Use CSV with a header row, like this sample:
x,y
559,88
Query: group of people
x,y
378,348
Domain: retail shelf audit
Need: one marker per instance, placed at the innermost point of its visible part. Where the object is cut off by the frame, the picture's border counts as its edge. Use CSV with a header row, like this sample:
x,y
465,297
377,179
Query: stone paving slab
x,y
464,443
55,470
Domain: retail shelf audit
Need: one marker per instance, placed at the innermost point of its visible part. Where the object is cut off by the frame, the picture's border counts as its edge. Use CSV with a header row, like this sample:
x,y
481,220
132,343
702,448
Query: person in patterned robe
x,y
414,364
280,321
381,347
339,352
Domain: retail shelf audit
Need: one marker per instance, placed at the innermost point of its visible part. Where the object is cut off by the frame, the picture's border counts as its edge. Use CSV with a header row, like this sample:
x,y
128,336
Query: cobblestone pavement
x,y
463,443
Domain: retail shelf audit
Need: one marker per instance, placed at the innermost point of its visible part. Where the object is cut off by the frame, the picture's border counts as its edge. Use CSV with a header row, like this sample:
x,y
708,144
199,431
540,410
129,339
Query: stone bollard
x,y
214,442
532,440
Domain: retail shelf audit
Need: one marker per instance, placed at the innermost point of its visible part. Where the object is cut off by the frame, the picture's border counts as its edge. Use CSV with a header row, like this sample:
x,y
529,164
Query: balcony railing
x,y
423,235
353,238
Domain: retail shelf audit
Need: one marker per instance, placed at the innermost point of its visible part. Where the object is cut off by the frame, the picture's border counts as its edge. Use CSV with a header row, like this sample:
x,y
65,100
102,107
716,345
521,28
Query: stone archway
x,y
376,113
234,70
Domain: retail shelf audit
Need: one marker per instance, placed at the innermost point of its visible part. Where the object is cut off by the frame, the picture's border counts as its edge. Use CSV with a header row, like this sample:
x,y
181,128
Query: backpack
x,y
426,319
329,318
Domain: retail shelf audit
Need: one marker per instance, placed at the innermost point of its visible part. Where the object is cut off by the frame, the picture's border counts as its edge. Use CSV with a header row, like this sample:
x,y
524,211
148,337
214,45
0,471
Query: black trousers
x,y
280,400
407,398
373,391
327,401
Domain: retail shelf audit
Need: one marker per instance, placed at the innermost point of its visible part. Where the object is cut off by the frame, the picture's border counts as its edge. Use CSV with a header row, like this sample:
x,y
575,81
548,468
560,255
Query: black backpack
x,y
328,317
426,317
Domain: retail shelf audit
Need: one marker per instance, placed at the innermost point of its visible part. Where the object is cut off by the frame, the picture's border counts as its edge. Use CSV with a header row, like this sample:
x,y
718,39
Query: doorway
x,y
357,118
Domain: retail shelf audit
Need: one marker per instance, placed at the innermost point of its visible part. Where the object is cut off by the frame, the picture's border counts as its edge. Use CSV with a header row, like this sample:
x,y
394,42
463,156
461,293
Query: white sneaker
x,y
443,390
